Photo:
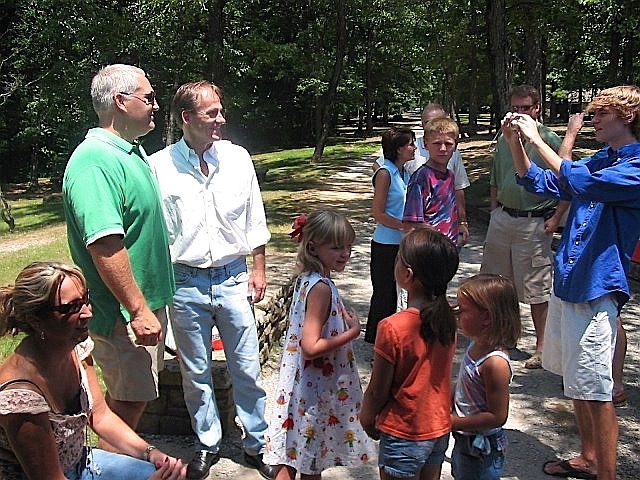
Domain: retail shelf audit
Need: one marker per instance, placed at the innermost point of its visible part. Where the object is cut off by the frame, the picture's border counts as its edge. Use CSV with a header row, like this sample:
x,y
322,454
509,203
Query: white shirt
x,y
211,220
455,164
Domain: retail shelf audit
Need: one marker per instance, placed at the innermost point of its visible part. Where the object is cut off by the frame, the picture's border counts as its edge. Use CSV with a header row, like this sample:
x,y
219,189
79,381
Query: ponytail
x,y
433,258
438,321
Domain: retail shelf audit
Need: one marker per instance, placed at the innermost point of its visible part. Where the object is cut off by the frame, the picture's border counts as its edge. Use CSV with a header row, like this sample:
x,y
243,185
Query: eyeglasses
x,y
148,99
72,307
521,108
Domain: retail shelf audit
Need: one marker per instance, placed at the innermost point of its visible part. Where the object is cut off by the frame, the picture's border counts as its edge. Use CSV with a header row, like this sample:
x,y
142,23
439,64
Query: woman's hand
x,y
170,469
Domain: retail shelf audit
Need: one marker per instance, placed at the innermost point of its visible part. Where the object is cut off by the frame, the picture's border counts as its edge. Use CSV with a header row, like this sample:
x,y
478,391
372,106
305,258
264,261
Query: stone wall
x,y
168,414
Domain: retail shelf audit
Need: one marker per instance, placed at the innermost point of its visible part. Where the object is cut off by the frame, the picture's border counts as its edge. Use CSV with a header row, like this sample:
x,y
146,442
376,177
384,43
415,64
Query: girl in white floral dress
x,y
315,420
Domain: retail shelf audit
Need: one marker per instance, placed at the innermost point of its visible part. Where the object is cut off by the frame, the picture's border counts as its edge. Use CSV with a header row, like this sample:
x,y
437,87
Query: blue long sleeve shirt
x,y
603,225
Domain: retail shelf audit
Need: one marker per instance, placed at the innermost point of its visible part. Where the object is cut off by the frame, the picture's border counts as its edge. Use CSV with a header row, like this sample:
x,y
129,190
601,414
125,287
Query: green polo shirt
x,y
510,194
108,188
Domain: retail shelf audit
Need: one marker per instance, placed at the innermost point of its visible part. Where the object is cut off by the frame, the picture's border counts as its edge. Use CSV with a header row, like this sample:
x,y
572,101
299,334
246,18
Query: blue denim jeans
x,y
218,296
98,464
467,463
405,458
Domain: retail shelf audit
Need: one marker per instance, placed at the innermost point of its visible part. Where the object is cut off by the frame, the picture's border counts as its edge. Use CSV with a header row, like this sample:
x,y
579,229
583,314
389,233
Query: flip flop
x,y
620,399
567,470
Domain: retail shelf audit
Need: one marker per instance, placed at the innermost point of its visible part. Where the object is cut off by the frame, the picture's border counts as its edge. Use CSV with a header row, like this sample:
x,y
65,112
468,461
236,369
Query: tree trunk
x,y
629,53
5,212
533,54
475,67
329,98
368,107
499,52
614,53
215,71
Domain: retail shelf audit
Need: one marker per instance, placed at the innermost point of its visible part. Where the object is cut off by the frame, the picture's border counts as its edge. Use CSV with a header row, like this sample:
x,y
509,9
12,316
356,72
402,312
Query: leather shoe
x,y
255,461
198,467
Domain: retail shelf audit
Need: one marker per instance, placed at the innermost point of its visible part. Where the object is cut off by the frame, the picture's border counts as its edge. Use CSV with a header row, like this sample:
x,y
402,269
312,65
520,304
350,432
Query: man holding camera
x,y
518,241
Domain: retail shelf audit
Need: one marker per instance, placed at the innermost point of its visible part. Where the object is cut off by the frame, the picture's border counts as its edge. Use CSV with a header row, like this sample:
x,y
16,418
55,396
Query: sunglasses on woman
x,y
72,307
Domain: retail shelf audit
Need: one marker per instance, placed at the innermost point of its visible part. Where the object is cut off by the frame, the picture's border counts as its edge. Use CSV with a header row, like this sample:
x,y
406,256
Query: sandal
x,y
619,399
567,471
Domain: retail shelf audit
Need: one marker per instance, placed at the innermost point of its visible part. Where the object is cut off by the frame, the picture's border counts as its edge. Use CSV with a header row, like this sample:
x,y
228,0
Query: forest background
x,y
292,70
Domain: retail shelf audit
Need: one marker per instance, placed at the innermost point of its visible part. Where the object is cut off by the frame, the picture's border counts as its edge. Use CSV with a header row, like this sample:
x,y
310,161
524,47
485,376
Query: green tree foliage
x,y
277,62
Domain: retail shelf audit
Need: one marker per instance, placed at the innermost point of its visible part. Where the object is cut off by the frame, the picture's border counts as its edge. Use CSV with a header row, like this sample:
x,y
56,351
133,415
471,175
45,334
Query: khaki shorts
x,y
579,341
130,371
519,249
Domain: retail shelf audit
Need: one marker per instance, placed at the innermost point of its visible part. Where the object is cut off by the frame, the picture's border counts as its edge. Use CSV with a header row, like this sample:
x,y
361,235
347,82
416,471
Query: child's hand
x,y
350,317
370,428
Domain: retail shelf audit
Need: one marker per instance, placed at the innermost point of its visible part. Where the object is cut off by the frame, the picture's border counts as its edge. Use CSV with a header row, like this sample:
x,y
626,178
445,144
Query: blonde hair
x,y
625,100
497,296
30,300
442,125
322,227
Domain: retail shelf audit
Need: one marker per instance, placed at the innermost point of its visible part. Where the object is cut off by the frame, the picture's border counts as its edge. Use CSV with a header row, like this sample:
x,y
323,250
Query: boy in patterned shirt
x,y
431,198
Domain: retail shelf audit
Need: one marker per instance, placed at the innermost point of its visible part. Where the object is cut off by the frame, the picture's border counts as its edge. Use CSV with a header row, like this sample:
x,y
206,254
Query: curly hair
x,y
625,100
27,302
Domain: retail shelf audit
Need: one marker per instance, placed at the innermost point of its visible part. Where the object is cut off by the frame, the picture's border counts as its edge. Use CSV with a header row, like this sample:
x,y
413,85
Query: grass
x,y
290,178
34,213
8,344
12,262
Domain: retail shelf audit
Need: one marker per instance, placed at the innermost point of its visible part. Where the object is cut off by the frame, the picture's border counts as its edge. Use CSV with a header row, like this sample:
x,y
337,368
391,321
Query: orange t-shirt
x,y
419,406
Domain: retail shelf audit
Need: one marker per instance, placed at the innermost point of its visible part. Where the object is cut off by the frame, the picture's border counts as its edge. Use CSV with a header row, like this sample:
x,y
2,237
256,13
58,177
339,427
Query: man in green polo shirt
x,y
518,242
117,235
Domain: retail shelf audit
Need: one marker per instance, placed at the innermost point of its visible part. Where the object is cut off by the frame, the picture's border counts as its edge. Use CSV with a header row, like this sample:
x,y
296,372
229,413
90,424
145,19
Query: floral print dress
x,y
315,420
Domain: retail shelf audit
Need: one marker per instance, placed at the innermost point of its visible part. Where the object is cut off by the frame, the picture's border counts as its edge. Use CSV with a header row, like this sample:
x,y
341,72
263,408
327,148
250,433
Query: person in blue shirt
x,y
389,192
590,278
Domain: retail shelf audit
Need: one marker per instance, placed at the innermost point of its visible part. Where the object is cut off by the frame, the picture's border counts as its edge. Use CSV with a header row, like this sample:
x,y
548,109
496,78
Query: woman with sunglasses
x,y
49,391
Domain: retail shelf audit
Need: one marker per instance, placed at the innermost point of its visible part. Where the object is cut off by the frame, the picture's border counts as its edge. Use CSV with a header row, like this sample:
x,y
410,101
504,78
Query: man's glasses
x,y
521,108
72,307
148,99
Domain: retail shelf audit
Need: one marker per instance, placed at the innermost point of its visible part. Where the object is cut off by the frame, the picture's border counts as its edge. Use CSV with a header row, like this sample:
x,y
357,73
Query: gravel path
x,y
540,425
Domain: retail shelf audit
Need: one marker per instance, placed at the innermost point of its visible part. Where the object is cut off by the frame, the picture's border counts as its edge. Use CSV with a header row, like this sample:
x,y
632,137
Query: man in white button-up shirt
x,y
215,218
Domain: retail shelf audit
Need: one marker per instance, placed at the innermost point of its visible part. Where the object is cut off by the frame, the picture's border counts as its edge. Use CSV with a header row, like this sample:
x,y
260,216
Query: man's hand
x,y
575,123
257,285
464,230
551,225
146,328
526,127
